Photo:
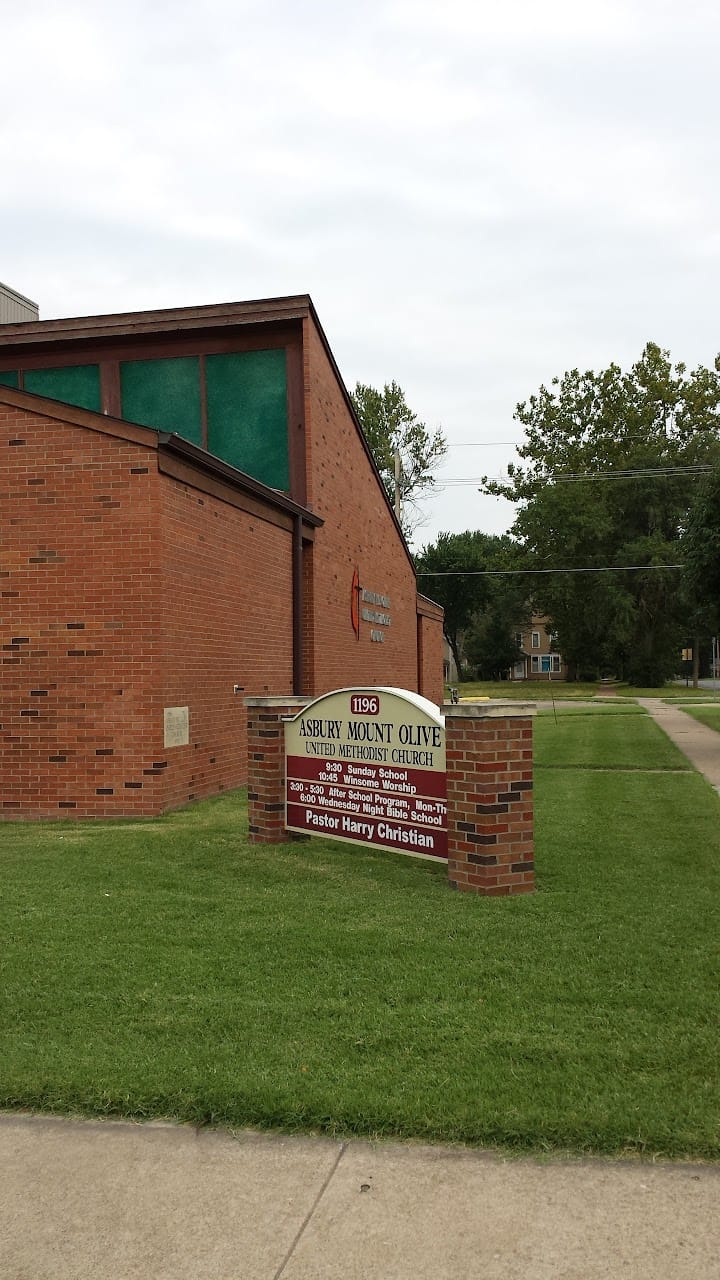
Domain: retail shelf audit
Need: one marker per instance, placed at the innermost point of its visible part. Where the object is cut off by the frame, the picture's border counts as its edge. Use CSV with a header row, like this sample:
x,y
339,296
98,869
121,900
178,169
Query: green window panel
x,y
247,413
164,394
77,384
9,379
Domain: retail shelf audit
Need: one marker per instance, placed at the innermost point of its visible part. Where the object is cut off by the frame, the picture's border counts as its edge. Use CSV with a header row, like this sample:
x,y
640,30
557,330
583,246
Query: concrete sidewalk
x,y
117,1201
700,744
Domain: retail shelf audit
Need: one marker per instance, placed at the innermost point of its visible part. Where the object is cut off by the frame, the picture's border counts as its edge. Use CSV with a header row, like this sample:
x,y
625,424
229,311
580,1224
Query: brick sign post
x,y
266,765
368,766
489,750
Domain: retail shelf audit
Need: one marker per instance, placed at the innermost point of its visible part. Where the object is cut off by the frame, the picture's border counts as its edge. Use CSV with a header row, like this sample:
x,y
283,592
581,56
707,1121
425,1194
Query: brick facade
x,y
136,576
124,594
359,532
223,623
80,611
430,649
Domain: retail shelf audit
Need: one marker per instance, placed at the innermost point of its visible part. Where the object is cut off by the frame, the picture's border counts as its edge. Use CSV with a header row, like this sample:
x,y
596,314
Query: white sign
x,y
368,766
177,726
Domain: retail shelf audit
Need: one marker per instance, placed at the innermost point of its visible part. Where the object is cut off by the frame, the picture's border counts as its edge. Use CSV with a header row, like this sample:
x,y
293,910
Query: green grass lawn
x,y
559,690
527,690
167,968
571,738
706,715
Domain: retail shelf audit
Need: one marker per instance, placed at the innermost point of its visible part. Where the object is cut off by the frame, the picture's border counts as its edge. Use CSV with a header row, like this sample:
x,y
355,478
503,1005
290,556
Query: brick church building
x,y
189,514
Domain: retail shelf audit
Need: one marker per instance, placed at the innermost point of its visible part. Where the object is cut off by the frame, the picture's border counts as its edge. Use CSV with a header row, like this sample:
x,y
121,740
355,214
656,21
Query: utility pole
x,y
398,474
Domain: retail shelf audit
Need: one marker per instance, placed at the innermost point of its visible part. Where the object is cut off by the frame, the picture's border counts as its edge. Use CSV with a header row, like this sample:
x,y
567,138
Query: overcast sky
x,y
478,196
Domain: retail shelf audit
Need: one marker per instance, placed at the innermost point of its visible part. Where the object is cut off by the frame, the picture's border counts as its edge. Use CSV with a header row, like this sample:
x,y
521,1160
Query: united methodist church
x,y
190,515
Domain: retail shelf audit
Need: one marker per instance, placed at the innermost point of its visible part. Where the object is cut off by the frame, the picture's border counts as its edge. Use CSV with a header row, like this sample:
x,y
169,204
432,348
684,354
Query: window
x,y
163,394
546,664
73,384
247,413
518,639
536,639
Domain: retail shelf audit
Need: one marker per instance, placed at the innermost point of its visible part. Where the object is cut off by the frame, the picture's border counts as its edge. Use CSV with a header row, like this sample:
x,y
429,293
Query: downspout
x,y
298,607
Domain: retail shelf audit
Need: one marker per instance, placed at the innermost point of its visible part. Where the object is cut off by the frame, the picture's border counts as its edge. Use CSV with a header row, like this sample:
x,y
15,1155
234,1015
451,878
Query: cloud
x,y
477,196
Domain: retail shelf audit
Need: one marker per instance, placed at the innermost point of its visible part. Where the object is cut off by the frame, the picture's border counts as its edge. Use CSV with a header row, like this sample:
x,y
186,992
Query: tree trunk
x,y
696,662
453,642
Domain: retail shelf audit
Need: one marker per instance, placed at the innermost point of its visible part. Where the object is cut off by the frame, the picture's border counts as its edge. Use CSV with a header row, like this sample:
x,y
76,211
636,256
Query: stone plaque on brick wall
x,y
177,726
368,766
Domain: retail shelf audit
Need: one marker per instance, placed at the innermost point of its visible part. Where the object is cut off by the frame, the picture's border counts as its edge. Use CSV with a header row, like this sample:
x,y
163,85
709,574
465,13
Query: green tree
x,y
391,427
609,473
491,646
701,550
452,571
490,643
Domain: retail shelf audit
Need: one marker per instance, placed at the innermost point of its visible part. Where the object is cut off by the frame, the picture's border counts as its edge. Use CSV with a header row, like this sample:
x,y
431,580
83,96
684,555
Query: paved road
x,y
83,1200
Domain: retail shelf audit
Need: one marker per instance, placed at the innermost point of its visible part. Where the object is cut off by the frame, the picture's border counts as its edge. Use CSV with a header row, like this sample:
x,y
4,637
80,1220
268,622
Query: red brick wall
x,y
430,650
226,620
124,592
359,530
266,768
79,621
490,799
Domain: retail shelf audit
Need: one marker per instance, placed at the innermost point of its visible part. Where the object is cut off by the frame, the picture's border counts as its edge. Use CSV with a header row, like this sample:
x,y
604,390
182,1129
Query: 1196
x,y
365,704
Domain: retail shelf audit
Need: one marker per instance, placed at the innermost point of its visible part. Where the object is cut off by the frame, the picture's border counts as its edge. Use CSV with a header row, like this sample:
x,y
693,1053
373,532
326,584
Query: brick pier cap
x,y
493,707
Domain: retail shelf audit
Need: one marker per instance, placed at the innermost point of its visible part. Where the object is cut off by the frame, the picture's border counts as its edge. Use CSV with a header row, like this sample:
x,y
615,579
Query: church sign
x,y
368,766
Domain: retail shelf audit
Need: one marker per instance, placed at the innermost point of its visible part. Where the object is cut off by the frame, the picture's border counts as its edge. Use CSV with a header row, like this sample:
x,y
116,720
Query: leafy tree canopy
x,y
701,548
608,477
452,572
389,425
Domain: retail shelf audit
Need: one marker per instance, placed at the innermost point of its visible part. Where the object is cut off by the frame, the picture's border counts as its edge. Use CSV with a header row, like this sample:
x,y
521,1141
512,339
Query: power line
x,y
495,573
488,444
577,477
631,473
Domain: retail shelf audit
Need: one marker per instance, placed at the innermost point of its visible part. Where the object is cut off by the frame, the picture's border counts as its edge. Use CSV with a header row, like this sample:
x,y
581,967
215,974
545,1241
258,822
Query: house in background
x,y
537,657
